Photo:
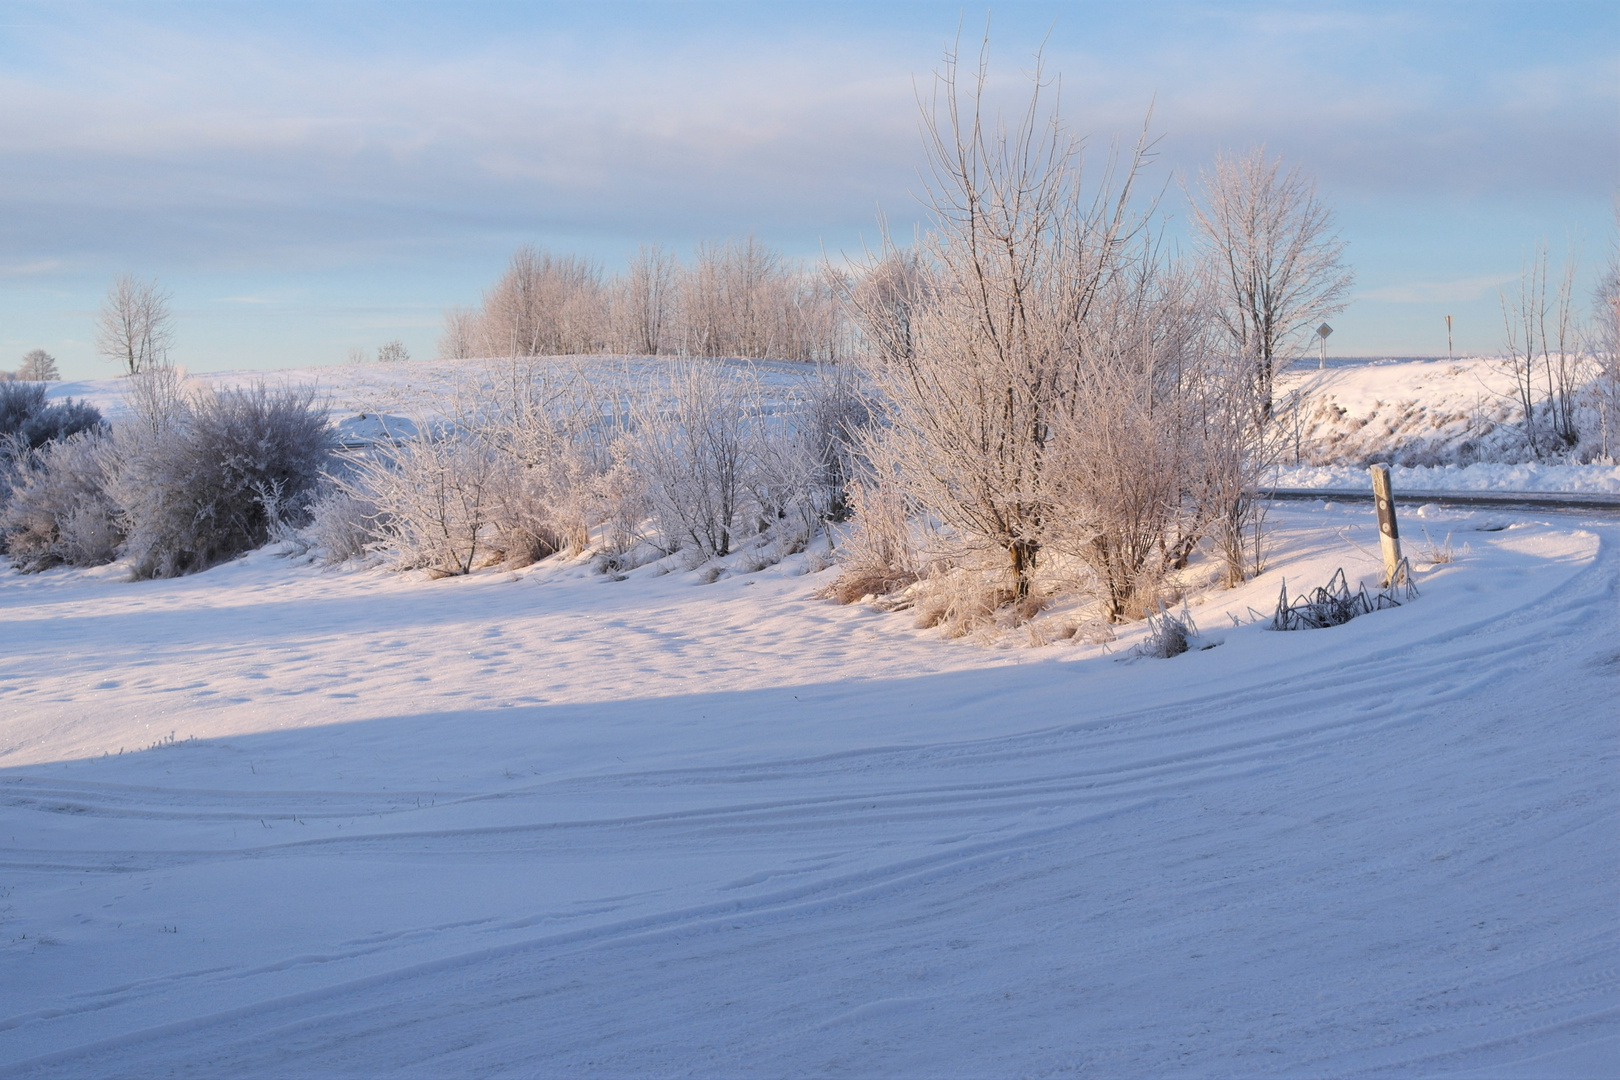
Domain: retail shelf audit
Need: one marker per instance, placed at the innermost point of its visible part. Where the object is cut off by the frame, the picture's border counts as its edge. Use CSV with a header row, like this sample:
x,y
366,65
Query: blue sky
x,y
308,178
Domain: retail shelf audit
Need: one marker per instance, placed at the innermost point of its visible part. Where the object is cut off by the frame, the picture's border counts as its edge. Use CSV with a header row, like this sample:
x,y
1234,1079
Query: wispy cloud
x,y
31,268
1463,291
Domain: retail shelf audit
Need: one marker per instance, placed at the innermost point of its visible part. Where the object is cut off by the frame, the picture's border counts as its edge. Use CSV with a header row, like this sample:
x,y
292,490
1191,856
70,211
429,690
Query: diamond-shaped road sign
x,y
1324,330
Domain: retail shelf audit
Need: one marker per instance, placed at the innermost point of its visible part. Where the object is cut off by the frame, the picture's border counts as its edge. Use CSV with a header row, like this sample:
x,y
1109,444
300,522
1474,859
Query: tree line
x,y
737,298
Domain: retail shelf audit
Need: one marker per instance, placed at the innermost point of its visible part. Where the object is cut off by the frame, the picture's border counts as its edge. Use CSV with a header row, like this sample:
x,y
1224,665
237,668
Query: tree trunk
x,y
1022,553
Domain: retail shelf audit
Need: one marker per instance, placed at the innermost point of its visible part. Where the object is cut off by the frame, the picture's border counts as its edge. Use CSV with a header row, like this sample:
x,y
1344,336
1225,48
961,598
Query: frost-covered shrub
x,y
715,466
393,352
1168,635
60,510
510,477
837,412
209,483
436,497
879,555
343,524
552,434
28,421
692,454
524,520
619,498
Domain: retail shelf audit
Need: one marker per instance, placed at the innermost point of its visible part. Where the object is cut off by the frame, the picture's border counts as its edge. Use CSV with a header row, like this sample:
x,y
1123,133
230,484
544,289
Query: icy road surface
x,y
560,825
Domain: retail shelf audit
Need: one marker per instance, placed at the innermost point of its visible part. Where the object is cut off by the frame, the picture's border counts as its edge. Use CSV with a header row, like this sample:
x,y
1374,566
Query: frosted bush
x,y
343,524
838,411
879,554
435,497
1168,634
28,421
692,455
60,510
206,479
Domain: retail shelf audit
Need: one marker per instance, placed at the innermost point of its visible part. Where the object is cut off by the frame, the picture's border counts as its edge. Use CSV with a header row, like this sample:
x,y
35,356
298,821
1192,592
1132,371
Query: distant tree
x,y
462,333
1605,348
38,366
544,305
392,352
646,301
1275,263
134,328
1542,352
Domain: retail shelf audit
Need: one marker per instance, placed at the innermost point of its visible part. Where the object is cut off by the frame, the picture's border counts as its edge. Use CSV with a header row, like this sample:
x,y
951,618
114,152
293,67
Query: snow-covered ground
x,y
277,821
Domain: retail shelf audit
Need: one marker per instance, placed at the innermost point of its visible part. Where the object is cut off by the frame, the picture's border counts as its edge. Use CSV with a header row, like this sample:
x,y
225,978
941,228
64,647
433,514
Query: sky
x,y
309,179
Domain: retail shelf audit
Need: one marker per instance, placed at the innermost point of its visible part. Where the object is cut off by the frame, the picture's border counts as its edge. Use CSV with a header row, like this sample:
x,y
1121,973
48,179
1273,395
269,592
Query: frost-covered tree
x,y
393,352
1605,348
544,305
1543,354
645,302
460,339
1276,265
134,328
1018,253
38,366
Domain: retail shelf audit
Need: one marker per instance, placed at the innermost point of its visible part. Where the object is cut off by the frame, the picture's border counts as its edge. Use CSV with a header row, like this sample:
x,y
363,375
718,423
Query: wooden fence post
x,y
1389,535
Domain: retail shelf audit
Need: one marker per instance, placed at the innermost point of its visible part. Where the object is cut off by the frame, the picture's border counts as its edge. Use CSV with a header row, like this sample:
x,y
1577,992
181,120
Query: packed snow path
x,y
560,825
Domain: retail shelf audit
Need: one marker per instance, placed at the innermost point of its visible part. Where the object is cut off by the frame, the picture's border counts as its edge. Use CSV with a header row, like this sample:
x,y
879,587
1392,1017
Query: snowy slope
x,y
546,823
1416,413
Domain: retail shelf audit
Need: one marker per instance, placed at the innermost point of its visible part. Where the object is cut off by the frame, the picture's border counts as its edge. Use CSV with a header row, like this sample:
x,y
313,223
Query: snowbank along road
x,y
544,823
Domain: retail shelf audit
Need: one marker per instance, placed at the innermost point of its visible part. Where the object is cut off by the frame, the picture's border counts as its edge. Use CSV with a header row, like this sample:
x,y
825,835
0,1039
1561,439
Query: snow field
x,y
536,823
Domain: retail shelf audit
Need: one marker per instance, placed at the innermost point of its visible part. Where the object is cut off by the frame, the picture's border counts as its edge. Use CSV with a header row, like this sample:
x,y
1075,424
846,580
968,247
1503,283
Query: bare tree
x,y
1564,361
462,334
1275,261
646,301
1605,349
544,305
1544,354
134,328
38,366
1017,257
1524,314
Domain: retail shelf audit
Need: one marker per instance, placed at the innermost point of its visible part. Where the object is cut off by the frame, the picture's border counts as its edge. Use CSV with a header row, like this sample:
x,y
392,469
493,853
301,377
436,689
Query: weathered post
x,y
1389,536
